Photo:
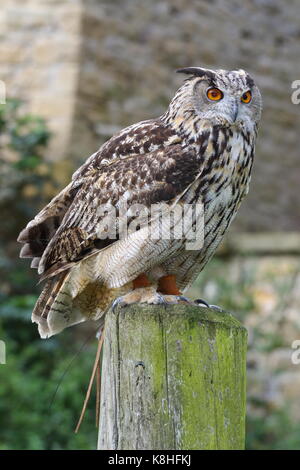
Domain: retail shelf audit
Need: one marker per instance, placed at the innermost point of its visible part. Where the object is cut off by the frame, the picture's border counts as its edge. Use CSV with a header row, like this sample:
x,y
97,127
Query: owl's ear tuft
x,y
197,72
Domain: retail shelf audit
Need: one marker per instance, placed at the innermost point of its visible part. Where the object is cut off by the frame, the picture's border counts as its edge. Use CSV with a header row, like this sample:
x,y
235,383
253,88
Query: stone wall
x,y
91,67
39,61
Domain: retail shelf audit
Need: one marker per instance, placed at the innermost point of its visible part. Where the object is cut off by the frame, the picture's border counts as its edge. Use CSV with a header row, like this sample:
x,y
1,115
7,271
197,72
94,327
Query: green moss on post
x,y
173,377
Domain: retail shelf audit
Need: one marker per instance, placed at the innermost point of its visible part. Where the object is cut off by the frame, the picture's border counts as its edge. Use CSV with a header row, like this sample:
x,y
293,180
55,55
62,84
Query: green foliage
x,y
273,431
23,175
31,416
23,137
26,133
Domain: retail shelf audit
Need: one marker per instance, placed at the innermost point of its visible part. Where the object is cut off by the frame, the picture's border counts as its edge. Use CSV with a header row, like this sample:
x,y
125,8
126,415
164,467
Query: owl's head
x,y
221,96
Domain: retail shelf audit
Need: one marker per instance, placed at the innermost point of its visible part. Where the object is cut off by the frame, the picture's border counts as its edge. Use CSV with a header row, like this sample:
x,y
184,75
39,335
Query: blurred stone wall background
x,y
91,67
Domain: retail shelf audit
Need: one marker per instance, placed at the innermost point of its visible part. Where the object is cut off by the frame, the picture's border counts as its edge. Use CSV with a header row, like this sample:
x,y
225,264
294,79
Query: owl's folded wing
x,y
152,178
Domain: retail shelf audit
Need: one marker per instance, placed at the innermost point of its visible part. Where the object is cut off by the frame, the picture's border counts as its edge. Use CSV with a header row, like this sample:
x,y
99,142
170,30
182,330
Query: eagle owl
x,y
200,151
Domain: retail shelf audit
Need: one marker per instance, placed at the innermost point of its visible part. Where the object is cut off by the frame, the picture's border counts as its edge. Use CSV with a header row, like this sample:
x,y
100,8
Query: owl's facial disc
x,y
220,105
227,98
215,94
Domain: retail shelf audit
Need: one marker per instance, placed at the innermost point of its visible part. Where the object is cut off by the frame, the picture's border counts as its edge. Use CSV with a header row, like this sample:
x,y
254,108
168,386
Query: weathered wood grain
x,y
173,377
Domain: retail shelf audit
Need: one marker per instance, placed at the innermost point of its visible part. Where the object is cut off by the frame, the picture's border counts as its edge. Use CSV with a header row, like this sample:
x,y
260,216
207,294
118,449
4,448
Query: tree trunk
x,y
173,377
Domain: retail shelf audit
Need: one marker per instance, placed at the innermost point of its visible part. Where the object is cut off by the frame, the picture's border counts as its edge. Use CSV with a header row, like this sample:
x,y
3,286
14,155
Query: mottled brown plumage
x,y
199,151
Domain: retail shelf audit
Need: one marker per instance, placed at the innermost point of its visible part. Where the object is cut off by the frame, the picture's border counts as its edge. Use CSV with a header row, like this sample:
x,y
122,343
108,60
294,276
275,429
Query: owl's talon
x,y
203,303
183,298
176,299
216,307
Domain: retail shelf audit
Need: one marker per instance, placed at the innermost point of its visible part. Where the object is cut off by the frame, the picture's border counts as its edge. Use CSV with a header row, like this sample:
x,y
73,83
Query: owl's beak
x,y
234,111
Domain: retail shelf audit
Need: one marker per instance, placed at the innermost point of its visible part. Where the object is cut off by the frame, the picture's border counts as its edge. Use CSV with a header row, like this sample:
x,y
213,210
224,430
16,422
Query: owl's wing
x,y
137,139
36,235
156,177
140,138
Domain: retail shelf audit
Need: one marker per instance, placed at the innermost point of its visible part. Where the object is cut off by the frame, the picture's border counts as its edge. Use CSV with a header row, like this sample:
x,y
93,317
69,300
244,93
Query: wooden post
x,y
173,377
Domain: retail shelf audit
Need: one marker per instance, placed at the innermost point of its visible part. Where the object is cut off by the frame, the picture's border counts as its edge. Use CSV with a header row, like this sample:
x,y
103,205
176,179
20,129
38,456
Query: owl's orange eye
x,y
246,97
214,94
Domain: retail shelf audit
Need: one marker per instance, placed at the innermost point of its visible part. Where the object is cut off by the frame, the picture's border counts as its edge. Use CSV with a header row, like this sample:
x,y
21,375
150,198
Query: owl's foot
x,y
143,295
148,295
176,299
203,303
167,292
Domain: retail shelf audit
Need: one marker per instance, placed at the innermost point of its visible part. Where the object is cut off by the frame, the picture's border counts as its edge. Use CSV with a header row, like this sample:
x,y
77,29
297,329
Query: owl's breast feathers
x,y
148,163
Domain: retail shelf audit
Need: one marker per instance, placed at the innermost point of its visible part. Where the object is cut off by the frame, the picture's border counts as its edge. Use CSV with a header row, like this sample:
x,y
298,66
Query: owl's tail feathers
x,y
54,310
35,238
